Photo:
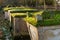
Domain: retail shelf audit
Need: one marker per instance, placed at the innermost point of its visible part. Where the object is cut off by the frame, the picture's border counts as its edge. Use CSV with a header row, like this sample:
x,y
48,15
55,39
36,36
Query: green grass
x,y
48,22
50,18
31,20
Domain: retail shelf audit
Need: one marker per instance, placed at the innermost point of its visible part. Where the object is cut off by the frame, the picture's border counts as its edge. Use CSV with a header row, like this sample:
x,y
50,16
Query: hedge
x,y
31,20
50,18
48,22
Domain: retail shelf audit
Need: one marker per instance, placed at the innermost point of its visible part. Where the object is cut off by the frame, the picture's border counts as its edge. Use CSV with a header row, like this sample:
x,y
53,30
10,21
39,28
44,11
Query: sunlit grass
x,y
31,20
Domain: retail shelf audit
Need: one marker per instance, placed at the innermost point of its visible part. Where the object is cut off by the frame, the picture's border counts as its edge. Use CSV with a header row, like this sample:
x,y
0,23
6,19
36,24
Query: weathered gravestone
x,y
23,28
7,15
38,17
20,27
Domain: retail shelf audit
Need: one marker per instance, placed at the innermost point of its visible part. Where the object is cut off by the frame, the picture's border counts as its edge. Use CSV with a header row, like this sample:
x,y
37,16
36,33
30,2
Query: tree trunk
x,y
44,5
55,4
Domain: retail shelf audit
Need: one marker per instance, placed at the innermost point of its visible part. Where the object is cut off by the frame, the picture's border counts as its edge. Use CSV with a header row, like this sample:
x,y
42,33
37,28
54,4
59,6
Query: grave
x,y
38,17
20,27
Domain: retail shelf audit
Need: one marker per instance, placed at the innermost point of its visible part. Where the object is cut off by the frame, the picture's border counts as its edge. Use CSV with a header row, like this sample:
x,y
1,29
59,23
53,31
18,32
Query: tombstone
x,y
20,27
23,28
7,15
38,17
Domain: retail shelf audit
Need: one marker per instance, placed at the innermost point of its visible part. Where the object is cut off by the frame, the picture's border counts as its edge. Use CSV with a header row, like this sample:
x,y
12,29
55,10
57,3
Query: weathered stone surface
x,y
49,33
33,32
20,27
38,17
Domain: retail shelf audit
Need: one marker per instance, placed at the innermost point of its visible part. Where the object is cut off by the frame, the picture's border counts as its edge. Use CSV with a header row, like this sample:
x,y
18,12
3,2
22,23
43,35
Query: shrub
x,y
49,2
57,17
48,15
48,22
50,18
31,20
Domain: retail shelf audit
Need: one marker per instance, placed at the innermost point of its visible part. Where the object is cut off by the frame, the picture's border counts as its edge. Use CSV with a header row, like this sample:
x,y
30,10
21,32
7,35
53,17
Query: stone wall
x,y
33,32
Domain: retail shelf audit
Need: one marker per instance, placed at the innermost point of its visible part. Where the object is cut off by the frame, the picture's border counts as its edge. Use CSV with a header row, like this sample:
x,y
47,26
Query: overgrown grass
x,y
31,20
50,18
